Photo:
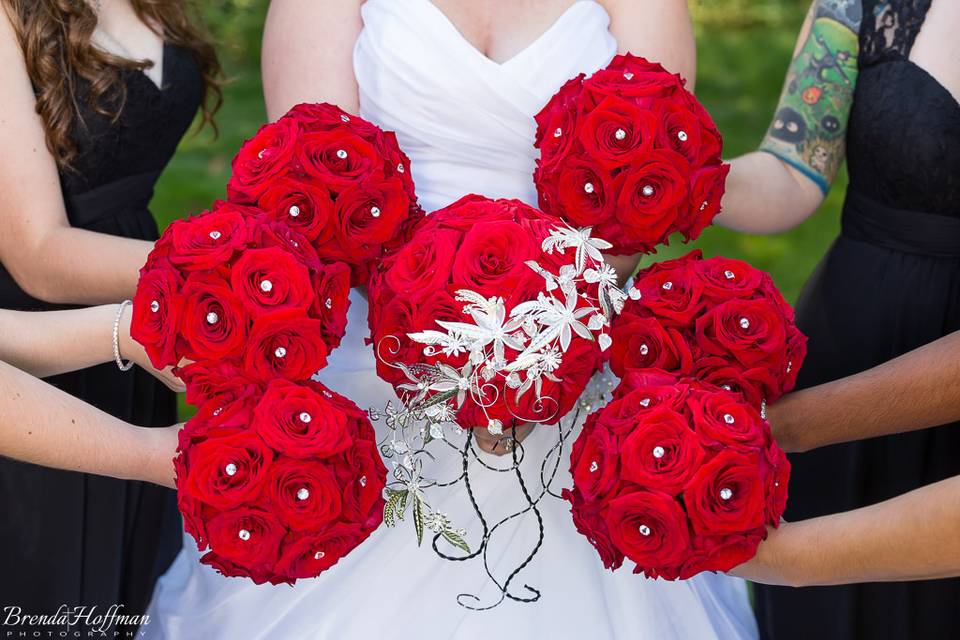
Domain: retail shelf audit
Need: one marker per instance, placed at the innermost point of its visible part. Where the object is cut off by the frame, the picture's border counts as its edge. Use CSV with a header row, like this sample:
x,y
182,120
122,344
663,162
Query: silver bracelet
x,y
116,339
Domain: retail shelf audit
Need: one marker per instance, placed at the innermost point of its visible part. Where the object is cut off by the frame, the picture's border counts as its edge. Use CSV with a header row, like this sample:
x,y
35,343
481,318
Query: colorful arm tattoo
x,y
810,126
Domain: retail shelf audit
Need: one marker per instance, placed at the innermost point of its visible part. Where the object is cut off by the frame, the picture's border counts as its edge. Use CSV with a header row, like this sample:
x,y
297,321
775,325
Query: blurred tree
x,y
237,26
744,13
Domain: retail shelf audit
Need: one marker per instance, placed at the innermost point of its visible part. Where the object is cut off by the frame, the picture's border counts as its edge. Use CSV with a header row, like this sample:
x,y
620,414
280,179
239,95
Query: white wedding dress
x,y
467,124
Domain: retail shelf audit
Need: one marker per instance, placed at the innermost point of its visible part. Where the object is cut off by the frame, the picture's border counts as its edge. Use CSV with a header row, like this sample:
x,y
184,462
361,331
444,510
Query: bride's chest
x,y
500,29
410,52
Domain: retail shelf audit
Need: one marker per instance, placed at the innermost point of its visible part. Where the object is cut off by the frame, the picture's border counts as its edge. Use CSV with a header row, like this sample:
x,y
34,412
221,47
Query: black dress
x,y
889,284
69,538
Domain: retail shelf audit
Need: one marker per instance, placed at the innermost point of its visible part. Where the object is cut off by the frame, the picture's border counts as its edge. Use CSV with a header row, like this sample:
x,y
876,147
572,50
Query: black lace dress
x,y
74,539
889,284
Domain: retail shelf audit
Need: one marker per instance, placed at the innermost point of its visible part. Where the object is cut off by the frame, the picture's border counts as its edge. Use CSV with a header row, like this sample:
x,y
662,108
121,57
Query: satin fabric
x,y
467,124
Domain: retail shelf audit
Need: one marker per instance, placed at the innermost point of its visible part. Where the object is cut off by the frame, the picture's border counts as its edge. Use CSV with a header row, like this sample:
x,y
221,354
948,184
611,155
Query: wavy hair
x,y
56,39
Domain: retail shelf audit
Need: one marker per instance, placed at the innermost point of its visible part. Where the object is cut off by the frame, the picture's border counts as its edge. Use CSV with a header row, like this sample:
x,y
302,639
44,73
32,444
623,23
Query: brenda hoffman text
x,y
106,621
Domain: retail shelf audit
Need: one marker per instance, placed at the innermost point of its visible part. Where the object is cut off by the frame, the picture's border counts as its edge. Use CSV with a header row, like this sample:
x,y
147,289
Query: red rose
x,y
557,122
269,233
398,164
306,494
308,555
753,385
589,521
463,214
271,279
726,494
616,131
641,343
718,553
751,331
261,160
390,323
362,478
306,207
595,460
680,131
217,416
323,116
332,287
585,194
338,158
637,378
636,78
650,193
725,278
649,528
209,240
156,315
424,264
778,479
672,294
629,406
301,422
227,471
191,509
221,380
706,192
722,420
284,344
661,453
214,324
492,258
244,542
711,142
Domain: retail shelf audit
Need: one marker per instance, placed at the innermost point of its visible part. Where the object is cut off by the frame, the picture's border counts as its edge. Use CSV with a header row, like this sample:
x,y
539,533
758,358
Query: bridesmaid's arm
x,y
917,390
48,258
49,343
783,183
661,31
43,425
308,54
915,536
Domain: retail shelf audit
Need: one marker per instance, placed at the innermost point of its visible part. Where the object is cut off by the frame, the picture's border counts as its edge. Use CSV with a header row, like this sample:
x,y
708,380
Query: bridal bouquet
x,y
340,181
718,320
677,475
630,152
493,313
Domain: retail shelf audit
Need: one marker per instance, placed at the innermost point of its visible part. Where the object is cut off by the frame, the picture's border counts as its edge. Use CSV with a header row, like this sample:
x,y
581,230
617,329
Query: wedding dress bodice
x,y
466,121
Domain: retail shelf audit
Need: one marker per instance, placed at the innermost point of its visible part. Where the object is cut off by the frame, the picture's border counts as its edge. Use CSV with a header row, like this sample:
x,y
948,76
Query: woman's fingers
x,y
502,444
172,381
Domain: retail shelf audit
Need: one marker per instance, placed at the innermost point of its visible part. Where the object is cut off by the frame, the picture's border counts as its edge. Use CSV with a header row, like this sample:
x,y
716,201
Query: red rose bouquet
x,y
278,476
492,313
338,180
678,476
228,284
630,153
279,481
717,320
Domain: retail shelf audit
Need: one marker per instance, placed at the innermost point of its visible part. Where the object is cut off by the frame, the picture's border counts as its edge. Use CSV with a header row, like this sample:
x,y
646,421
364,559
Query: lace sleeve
x,y
889,28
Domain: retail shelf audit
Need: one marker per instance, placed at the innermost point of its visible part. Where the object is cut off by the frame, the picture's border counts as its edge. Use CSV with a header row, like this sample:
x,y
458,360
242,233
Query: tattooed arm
x,y
781,184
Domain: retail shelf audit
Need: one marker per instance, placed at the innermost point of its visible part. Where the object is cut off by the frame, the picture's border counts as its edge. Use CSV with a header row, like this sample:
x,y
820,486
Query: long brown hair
x,y
55,36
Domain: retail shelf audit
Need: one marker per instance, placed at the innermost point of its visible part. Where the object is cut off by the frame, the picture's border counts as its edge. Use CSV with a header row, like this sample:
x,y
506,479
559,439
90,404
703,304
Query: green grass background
x,y
744,47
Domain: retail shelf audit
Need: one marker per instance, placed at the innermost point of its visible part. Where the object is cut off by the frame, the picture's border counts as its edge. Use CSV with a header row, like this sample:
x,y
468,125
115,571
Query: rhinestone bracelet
x,y
116,339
